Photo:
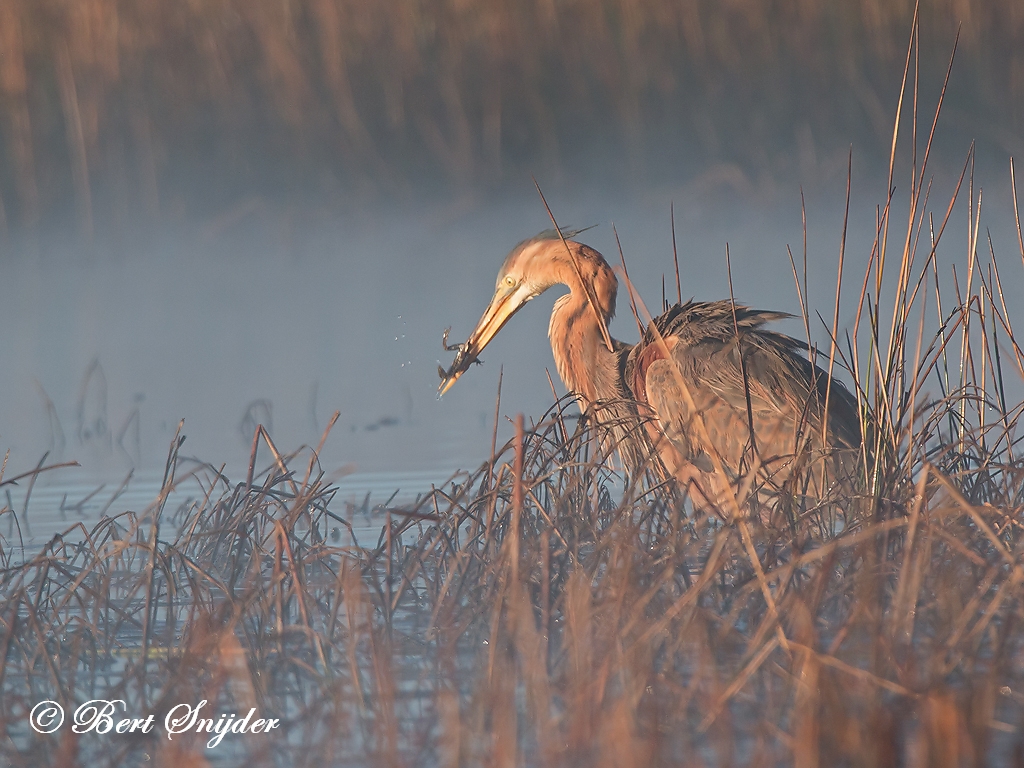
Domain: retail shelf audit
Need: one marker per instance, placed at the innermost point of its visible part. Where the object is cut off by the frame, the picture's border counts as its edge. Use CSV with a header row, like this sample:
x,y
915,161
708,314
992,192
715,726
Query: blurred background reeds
x,y
114,112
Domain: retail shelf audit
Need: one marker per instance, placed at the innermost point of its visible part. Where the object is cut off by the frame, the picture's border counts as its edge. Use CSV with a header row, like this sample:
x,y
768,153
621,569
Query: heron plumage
x,y
705,379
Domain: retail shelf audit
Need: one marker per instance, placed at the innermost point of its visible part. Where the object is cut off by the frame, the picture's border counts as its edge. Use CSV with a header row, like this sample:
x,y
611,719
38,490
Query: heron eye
x,y
510,281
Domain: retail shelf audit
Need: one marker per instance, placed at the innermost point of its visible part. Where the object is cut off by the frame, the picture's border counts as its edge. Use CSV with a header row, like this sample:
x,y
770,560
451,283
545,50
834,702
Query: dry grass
x,y
116,109
542,611
535,613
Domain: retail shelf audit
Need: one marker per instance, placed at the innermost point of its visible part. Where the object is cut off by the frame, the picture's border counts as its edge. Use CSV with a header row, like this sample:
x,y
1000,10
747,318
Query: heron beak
x,y
506,302
447,383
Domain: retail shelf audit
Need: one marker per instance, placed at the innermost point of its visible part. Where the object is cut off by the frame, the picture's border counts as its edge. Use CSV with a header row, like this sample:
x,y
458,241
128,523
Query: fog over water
x,y
261,315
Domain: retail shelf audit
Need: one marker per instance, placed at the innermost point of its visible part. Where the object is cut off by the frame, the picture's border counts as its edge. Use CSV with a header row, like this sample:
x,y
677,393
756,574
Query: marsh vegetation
x,y
122,114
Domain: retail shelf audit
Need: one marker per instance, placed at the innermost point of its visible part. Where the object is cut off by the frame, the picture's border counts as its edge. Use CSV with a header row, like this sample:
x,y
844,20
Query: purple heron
x,y
708,392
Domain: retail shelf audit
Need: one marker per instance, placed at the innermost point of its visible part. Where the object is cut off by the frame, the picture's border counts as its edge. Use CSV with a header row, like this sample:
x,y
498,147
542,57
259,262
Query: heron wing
x,y
739,387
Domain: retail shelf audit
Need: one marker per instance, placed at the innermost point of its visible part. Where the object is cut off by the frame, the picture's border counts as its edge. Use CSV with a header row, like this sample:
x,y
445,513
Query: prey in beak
x,y
509,297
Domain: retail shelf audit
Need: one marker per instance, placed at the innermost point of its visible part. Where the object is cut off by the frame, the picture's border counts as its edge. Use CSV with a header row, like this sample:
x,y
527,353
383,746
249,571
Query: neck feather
x,y
585,364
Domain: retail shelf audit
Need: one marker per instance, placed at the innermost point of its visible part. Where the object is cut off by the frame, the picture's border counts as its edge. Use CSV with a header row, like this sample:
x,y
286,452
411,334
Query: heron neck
x,y
585,364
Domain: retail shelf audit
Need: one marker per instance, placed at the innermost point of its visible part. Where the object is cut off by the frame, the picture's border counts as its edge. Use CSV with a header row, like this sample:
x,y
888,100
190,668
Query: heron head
x,y
528,271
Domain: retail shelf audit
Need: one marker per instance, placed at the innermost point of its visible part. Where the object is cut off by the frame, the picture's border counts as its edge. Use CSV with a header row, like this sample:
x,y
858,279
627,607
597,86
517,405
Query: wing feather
x,y
758,382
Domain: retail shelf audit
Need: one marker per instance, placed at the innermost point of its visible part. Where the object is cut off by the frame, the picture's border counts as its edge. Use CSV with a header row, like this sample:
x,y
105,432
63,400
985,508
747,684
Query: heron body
x,y
708,391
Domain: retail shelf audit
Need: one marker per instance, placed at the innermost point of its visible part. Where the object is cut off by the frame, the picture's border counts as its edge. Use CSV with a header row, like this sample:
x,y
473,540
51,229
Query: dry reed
x,y
113,111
